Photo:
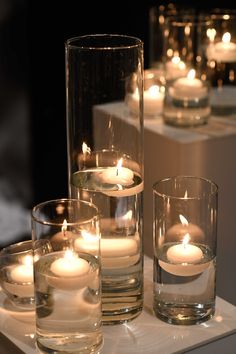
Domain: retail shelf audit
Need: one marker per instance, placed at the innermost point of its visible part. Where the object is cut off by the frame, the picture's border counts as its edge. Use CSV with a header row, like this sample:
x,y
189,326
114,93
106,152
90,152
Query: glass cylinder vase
x,y
187,101
67,277
185,238
105,159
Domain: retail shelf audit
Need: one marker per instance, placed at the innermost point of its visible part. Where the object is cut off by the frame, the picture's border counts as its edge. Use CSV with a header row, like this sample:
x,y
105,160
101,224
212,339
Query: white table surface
x,y
146,334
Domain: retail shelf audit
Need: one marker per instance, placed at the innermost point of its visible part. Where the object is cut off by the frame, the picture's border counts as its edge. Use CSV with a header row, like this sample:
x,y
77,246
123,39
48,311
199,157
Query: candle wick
x,y
117,171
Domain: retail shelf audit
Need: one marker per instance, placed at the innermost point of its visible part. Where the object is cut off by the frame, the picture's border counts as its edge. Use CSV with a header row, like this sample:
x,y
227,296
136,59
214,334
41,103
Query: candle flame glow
x,y
183,220
211,33
186,194
86,149
69,255
64,226
175,59
186,239
119,165
128,215
154,90
191,74
27,260
226,37
87,236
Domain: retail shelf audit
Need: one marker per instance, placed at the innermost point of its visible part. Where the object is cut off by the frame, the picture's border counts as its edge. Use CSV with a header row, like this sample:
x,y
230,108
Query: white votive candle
x,y
69,271
175,68
117,175
23,273
153,99
223,51
189,88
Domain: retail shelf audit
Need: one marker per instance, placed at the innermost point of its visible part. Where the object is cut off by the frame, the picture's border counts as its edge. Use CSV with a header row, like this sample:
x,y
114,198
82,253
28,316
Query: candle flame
x,y
88,237
154,90
186,194
119,165
211,33
128,215
86,149
175,59
183,220
64,226
27,260
226,37
186,239
191,74
69,254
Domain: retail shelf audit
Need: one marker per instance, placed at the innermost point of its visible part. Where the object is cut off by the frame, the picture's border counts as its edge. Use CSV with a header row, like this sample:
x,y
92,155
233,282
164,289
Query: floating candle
x,y
189,88
153,98
224,51
175,68
69,272
23,273
117,175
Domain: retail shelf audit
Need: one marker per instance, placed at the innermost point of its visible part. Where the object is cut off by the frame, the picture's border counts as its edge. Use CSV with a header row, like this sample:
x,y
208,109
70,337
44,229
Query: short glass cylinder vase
x,y
66,244
185,237
187,101
16,274
105,159
220,56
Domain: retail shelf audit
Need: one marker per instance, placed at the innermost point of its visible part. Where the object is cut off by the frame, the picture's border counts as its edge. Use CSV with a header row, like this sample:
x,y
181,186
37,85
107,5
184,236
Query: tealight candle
x,y
116,252
189,88
153,99
23,273
69,272
175,68
224,51
184,259
117,175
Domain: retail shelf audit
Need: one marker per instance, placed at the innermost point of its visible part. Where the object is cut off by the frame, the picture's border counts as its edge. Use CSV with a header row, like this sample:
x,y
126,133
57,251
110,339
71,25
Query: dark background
x,y
33,158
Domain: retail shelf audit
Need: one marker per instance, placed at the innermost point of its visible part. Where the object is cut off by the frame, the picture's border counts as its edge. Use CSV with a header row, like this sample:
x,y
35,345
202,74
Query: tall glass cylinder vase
x,y
105,159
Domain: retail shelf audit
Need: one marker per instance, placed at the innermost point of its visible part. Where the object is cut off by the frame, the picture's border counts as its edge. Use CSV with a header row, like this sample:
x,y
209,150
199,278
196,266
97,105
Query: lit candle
x,y
179,230
175,68
23,273
117,175
189,88
224,51
153,99
116,252
21,278
62,237
184,259
69,272
121,178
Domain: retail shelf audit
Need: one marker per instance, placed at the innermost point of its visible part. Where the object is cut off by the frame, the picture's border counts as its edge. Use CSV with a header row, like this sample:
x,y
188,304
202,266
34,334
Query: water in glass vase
x,y
68,309
120,206
184,293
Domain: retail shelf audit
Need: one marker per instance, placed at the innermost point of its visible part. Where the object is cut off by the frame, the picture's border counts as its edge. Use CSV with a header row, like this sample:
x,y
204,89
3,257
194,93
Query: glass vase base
x,y
188,314
112,315
67,344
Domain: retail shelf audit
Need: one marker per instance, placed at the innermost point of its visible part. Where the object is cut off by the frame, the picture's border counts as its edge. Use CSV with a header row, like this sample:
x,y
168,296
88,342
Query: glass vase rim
x,y
71,42
21,247
213,192
63,200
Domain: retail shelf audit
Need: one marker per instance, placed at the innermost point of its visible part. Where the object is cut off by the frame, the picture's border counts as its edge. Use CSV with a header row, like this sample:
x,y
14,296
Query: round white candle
x,y
117,175
175,68
69,271
184,253
188,88
70,266
23,273
224,51
184,259
153,99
